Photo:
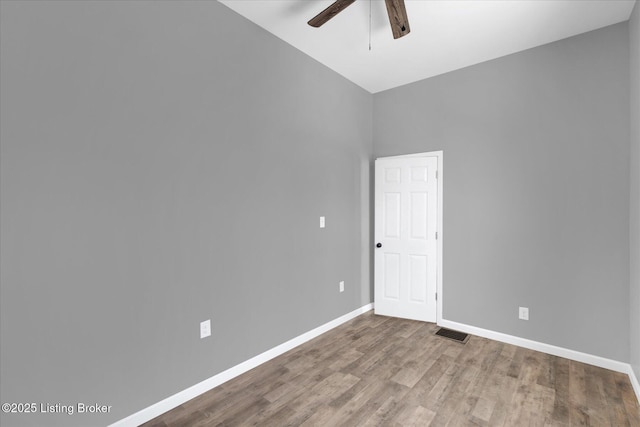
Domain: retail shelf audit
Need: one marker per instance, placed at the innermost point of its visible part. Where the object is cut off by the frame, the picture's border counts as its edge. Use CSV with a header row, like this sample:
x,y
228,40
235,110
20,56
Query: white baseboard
x,y
634,382
590,359
179,398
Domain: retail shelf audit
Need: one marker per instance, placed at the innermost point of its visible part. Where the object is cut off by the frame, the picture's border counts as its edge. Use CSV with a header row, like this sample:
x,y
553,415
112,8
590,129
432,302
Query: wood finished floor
x,y
382,371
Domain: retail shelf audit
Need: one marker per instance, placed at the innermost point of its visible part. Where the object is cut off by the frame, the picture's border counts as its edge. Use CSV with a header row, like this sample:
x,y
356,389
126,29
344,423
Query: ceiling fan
x,y
395,9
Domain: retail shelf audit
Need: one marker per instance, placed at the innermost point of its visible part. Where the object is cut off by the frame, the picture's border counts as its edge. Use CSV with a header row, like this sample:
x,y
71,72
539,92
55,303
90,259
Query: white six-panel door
x,y
405,237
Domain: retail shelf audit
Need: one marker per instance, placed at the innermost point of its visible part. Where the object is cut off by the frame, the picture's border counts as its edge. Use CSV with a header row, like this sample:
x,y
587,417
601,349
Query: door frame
x,y
439,155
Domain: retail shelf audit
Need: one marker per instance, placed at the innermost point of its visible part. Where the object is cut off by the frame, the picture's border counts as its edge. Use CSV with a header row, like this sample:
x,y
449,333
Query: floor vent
x,y
453,335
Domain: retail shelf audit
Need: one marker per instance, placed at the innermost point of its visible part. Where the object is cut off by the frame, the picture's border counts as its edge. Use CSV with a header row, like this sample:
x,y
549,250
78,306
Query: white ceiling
x,y
445,34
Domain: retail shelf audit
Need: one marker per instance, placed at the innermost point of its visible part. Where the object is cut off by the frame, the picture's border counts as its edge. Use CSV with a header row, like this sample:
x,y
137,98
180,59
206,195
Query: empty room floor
x,y
376,370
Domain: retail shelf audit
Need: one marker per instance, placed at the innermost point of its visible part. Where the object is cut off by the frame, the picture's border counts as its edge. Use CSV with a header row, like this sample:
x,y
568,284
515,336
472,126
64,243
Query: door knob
x,y
379,245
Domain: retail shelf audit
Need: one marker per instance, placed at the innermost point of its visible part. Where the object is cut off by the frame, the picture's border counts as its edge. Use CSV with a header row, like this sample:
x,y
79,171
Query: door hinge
x,y
436,296
436,235
436,174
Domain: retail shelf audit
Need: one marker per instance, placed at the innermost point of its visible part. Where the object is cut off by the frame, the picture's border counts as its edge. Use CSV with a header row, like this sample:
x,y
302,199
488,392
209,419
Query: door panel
x,y
417,278
405,225
392,215
419,215
392,276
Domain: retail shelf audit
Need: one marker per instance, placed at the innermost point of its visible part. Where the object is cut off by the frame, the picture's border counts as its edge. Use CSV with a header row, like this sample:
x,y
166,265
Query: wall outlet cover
x,y
205,328
523,313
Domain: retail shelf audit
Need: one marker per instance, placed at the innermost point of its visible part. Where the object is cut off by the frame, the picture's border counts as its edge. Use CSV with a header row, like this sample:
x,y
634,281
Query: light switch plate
x,y
322,223
523,313
205,328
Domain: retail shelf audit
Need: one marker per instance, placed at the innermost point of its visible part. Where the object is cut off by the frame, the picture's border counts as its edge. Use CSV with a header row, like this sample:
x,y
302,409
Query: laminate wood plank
x,y
596,400
561,403
578,413
377,370
420,361
320,417
473,350
420,417
411,328
492,386
525,404
546,397
483,408
325,391
629,398
547,375
632,407
398,410
614,387
283,396
543,394
407,376
279,418
394,410
380,416
282,390
421,390
453,403
364,365
451,349
507,386
234,398
390,365
237,415
406,414
375,401
376,336
417,395
491,355
320,394
441,388
273,414
354,399
516,363
462,413
475,407
346,358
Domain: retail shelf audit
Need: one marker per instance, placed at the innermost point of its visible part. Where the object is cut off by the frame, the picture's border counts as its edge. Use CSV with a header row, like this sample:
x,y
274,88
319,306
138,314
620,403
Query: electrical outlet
x,y
523,313
322,223
342,286
205,328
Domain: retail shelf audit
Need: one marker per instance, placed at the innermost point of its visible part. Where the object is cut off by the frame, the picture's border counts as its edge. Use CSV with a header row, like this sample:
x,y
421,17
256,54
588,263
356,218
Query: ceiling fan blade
x,y
398,18
335,8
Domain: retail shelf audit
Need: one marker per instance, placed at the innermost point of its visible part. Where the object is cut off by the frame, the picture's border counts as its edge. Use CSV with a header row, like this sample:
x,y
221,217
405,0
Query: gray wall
x,y
634,49
164,163
536,187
